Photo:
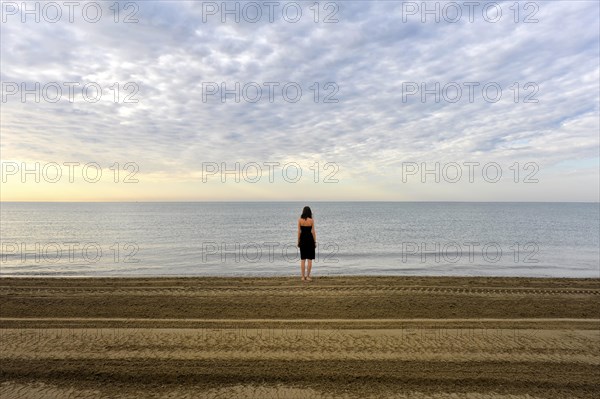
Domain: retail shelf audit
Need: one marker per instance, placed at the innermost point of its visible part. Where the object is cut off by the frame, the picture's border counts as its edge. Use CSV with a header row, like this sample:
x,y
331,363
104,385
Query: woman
x,y
307,241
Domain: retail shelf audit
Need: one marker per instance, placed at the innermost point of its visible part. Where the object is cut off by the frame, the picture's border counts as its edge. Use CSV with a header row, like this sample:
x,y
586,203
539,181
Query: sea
x,y
128,239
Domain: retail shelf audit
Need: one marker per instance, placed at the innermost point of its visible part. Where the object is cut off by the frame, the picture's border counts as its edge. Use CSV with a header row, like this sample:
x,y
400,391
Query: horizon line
x,y
272,201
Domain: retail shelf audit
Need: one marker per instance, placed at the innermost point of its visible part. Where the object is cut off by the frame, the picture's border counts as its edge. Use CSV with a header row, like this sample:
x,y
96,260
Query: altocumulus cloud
x,y
374,54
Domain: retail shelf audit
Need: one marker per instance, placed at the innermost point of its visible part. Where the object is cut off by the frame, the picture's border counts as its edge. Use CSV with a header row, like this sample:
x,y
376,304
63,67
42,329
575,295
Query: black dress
x,y
307,243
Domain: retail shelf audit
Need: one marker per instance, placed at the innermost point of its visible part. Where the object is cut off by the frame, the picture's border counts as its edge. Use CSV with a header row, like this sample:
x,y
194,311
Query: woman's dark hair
x,y
306,213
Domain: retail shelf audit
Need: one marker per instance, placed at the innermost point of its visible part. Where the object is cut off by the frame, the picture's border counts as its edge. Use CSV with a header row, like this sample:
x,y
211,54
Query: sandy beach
x,y
335,337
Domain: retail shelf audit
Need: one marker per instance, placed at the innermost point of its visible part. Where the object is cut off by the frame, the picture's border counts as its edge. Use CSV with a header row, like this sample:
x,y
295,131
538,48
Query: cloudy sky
x,y
387,107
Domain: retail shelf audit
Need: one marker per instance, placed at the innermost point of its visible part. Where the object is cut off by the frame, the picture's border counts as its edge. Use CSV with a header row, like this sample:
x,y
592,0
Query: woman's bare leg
x,y
309,268
302,262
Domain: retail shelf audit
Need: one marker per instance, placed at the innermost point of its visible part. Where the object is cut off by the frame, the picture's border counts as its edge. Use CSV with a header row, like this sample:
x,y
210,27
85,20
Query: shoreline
x,y
293,276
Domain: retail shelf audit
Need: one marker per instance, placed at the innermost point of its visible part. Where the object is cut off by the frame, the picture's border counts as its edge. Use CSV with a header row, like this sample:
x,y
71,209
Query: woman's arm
x,y
314,232
299,230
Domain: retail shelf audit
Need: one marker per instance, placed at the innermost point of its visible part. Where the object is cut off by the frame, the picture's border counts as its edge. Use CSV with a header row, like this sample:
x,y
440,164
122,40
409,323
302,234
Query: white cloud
x,y
369,53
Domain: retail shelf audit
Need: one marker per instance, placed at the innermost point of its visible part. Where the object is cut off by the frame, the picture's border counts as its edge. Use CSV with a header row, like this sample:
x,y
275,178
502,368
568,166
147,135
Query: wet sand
x,y
335,337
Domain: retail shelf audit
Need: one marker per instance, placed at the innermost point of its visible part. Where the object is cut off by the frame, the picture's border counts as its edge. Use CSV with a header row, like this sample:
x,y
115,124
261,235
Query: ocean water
x,y
258,239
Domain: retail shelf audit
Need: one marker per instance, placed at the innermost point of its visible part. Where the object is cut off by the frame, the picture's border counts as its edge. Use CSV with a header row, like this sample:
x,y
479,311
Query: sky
x,y
340,100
